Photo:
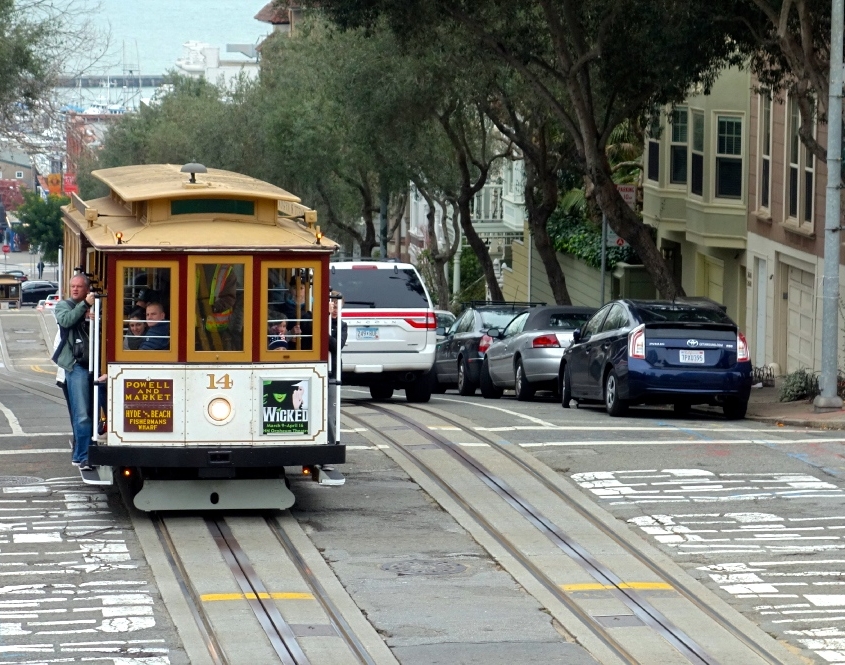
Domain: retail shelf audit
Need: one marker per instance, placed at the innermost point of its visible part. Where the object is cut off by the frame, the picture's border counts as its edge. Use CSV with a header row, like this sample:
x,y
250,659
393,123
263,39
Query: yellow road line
x,y
595,586
37,368
208,597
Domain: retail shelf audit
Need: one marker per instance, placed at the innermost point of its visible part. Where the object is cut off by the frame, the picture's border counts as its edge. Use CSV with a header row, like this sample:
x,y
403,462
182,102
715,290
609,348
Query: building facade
x,y
696,191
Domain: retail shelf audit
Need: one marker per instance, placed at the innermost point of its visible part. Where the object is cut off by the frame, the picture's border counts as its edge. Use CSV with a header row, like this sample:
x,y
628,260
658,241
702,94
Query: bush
x,y
801,384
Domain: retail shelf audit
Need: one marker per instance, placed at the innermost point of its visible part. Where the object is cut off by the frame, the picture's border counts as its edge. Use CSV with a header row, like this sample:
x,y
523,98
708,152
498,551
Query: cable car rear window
x,y
378,288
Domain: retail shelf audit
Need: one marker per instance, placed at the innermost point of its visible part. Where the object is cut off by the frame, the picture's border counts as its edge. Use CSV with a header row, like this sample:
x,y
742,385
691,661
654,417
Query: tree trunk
x,y
538,217
480,248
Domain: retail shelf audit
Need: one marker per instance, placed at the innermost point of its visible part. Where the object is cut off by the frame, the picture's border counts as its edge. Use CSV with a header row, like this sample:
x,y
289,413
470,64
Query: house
x,y
785,226
696,190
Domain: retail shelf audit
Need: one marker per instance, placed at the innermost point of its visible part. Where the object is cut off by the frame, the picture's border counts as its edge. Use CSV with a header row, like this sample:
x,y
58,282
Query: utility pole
x,y
829,399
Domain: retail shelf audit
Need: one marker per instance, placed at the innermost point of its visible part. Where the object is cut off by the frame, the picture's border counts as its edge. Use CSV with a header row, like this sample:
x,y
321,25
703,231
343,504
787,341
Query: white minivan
x,y
392,328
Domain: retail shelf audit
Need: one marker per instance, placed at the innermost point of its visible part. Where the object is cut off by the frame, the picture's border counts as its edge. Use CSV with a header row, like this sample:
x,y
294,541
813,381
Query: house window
x,y
19,175
697,158
653,160
794,152
729,157
678,148
765,148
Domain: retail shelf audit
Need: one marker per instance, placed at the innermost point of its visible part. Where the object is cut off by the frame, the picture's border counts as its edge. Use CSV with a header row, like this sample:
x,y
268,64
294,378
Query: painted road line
x,y
677,442
13,421
595,586
35,451
37,368
288,595
33,434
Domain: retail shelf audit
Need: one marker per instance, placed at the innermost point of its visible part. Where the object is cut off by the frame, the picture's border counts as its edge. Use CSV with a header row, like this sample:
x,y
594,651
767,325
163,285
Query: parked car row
x,y
629,352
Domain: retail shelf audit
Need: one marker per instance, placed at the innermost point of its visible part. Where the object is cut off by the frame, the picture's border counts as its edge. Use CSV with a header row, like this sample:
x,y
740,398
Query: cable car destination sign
x,y
148,405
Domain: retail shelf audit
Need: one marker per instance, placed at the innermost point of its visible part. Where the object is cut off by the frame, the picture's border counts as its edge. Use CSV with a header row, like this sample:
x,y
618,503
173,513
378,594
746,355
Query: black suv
x,y
34,290
460,353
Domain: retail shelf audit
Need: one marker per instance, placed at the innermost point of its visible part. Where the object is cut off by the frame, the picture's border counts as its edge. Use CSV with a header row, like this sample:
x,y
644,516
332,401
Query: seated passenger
x,y
158,335
137,330
295,308
277,333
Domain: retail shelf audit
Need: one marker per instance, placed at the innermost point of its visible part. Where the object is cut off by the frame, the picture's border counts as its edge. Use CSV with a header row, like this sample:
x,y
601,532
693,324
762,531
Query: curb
x,y
798,422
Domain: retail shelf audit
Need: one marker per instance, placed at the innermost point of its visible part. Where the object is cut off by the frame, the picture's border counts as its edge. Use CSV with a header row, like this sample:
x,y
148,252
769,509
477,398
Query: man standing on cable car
x,y
72,356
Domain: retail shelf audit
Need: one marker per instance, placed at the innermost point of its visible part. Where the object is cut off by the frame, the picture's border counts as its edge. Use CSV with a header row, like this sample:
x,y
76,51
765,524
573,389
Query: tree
x,y
593,65
38,41
41,222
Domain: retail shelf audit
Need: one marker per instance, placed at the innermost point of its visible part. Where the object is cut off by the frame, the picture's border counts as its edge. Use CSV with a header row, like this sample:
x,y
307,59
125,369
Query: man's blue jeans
x,y
79,394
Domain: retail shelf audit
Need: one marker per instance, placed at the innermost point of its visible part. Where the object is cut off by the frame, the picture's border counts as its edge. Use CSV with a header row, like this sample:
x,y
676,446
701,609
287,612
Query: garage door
x,y
801,320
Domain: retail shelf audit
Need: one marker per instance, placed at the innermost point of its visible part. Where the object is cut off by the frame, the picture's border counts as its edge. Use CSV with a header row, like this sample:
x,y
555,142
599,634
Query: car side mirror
x,y
440,332
495,333
576,336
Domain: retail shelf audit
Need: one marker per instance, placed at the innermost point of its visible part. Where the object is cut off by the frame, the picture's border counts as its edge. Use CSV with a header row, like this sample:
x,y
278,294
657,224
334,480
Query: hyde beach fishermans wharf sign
x,y
148,405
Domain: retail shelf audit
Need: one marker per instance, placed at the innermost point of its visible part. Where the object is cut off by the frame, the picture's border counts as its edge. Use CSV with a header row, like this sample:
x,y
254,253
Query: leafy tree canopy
x,y
41,222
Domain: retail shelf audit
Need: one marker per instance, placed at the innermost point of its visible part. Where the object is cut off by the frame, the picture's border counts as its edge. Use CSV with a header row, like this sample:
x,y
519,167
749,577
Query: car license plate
x,y
695,357
372,333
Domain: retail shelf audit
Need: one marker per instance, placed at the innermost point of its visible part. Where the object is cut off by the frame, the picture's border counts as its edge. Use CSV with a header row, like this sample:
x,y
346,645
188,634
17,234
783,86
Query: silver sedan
x,y
526,355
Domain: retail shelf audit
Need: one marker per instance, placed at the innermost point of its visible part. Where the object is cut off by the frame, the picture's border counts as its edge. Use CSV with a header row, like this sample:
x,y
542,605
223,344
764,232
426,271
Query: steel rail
x,y
278,631
676,583
191,595
641,608
341,626
592,625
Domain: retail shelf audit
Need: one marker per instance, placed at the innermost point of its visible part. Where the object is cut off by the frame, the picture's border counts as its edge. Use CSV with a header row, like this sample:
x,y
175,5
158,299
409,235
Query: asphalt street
x,y
750,510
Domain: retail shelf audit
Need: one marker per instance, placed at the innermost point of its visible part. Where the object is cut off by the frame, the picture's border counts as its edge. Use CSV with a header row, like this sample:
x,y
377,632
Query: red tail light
x,y
636,342
742,354
545,341
485,343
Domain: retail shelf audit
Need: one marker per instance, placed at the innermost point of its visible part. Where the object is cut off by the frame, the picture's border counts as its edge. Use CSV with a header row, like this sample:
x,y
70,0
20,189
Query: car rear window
x,y
496,319
568,321
661,313
377,288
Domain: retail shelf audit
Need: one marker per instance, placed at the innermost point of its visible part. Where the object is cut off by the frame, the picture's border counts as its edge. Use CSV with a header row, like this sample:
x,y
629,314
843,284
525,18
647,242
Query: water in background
x,y
151,32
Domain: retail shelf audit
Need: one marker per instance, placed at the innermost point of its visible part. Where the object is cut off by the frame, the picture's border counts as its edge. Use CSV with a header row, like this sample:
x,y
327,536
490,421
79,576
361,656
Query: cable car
x,y
10,292
210,332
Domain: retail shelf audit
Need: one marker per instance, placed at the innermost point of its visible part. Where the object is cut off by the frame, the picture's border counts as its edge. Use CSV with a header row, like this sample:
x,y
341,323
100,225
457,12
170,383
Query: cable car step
x,y
99,475
330,476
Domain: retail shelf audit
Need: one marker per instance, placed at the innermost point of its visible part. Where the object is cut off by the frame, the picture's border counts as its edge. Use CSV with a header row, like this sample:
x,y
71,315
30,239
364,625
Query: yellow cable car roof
x,y
124,218
143,182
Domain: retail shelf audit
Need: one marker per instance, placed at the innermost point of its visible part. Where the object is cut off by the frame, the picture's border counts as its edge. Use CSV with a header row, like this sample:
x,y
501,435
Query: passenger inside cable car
x,y
219,307
158,334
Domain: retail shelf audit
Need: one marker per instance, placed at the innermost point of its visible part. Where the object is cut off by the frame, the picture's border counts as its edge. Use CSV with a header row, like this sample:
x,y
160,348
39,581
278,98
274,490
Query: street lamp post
x,y
829,399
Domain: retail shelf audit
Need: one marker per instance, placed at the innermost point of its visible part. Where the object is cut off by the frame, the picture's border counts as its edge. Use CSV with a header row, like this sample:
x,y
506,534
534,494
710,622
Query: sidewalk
x,y
764,406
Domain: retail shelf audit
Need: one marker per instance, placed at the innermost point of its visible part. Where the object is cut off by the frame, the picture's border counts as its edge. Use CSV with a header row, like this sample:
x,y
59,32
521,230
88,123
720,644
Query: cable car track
x,y
279,632
676,583
637,604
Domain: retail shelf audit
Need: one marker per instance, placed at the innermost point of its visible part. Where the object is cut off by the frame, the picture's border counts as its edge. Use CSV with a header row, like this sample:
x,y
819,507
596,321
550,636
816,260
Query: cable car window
x,y
146,308
219,307
144,286
211,206
290,305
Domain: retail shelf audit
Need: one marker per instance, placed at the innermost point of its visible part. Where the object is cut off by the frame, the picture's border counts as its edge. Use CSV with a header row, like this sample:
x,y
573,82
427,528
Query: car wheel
x,y
735,409
566,389
523,389
612,402
381,392
419,391
489,389
682,409
466,386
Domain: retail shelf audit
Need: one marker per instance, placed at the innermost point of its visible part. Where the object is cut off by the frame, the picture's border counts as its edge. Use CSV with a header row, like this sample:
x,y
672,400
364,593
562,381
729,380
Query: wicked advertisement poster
x,y
285,407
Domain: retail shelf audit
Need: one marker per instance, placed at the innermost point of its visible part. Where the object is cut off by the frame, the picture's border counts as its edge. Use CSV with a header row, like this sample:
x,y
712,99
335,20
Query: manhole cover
x,y
10,481
423,567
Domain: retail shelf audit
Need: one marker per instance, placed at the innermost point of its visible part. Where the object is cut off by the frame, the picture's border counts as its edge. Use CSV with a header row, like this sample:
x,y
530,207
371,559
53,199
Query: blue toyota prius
x,y
658,352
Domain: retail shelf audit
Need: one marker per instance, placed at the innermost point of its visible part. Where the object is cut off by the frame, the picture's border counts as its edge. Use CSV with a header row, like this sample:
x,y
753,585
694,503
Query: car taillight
x,y
545,341
636,342
742,354
484,343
